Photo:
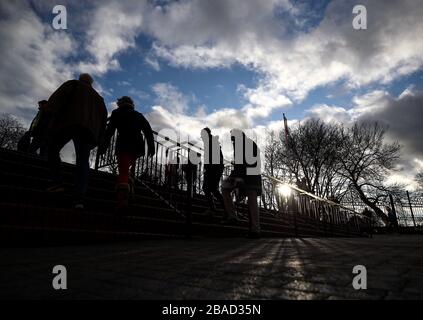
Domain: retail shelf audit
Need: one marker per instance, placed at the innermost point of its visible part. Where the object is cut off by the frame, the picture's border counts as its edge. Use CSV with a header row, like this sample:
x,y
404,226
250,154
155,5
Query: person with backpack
x,y
130,144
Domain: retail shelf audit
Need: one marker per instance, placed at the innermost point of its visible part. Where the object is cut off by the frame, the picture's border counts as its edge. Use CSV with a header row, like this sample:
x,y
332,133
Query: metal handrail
x,y
312,195
167,179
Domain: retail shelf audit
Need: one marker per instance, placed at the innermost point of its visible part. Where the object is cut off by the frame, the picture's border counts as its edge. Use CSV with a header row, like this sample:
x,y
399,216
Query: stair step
x,y
24,236
29,211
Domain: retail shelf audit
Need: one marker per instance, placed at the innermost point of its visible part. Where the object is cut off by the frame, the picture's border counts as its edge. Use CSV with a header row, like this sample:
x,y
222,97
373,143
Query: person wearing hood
x,y
130,145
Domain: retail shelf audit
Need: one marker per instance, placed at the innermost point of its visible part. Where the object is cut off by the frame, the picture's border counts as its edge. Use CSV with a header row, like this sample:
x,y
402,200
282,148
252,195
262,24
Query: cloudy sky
x,y
226,63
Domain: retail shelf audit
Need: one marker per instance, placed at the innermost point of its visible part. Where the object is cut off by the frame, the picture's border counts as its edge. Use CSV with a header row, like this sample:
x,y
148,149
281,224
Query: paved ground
x,y
220,269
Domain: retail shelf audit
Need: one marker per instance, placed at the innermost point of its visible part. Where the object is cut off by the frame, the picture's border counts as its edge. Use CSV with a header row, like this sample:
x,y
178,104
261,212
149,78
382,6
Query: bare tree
x,y
307,157
271,168
419,179
11,131
330,161
366,161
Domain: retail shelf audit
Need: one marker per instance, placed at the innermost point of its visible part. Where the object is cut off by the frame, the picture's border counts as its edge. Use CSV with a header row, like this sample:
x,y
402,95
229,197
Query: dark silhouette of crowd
x,y
76,112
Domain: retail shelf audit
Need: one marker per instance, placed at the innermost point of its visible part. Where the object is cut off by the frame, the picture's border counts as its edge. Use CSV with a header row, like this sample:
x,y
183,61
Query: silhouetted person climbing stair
x,y
213,168
78,114
245,177
39,129
130,145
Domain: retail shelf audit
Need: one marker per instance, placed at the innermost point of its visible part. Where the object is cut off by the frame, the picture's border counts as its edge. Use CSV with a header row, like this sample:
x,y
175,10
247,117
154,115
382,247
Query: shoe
x,y
56,188
253,235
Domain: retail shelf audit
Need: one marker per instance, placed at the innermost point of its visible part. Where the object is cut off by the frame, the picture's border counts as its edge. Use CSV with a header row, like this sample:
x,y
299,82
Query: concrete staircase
x,y
31,216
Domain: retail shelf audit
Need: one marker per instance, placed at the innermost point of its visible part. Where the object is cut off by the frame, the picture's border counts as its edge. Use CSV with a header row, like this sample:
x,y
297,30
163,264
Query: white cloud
x,y
32,60
331,113
401,115
406,179
206,34
266,98
371,101
36,58
263,101
138,94
171,98
290,63
197,34
112,30
220,121
419,164
152,62
124,83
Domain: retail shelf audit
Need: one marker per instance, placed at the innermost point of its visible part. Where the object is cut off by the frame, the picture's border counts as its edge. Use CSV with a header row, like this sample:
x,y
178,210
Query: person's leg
x,y
132,173
35,144
206,190
43,148
254,211
216,186
229,206
125,161
211,187
39,143
55,144
82,150
209,197
44,151
216,193
227,188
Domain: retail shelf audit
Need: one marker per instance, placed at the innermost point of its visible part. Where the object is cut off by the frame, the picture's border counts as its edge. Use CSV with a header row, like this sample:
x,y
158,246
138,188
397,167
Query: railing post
x,y
394,213
347,222
291,208
97,160
411,209
370,223
324,219
189,179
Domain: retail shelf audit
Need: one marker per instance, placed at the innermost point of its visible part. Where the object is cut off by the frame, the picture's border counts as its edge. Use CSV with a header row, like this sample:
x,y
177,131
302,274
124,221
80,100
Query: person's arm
x,y
102,134
148,133
108,134
34,123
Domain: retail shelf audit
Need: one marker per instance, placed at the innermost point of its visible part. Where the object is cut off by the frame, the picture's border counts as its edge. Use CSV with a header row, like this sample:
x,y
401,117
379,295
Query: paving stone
x,y
312,268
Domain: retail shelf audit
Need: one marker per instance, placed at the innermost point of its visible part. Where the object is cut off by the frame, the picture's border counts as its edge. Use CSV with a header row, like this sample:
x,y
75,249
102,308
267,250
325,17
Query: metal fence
x,y
170,172
167,168
408,208
298,201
